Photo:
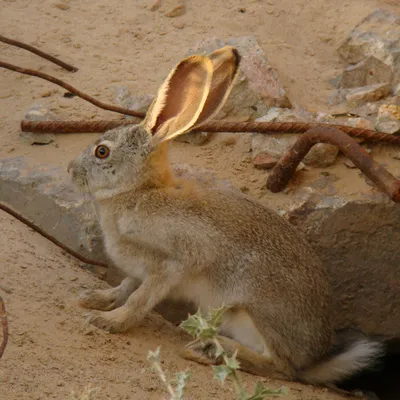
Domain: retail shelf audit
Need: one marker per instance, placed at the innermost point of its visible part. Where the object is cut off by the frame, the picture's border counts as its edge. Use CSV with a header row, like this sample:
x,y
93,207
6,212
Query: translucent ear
x,y
180,99
226,66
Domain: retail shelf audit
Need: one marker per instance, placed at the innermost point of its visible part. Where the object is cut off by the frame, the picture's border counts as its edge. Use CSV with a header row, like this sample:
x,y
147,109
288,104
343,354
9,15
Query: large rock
x,y
257,87
367,72
377,35
44,195
357,241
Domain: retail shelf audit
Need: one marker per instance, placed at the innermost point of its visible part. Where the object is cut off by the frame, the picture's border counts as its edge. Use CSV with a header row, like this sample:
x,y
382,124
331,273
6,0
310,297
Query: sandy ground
x,y
125,43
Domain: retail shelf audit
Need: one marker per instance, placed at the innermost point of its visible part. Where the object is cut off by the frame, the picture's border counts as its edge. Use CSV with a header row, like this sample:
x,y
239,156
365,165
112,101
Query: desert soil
x,y
51,352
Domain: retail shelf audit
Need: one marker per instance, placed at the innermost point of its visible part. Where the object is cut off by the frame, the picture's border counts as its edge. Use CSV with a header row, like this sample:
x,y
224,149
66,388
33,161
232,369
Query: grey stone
x,y
276,145
358,96
357,241
195,138
367,72
388,119
336,96
125,99
376,35
44,195
38,112
396,90
257,86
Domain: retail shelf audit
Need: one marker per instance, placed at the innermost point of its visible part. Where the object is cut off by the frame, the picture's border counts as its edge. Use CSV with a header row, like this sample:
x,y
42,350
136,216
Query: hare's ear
x,y
180,99
226,66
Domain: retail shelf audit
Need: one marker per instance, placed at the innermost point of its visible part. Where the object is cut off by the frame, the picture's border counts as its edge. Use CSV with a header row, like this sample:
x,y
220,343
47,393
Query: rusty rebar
x,y
4,324
213,126
46,235
71,89
286,166
39,53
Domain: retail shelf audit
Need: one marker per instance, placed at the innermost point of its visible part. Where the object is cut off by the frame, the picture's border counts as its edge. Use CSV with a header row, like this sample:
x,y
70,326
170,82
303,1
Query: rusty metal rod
x,y
286,166
71,89
212,126
4,324
39,230
39,53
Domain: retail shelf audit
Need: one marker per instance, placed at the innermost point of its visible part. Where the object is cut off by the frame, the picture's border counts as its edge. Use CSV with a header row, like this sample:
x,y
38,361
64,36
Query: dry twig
x,y
38,52
4,323
49,237
71,89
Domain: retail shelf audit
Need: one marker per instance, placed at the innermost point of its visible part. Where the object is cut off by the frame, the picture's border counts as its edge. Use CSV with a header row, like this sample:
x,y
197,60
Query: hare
x,y
175,238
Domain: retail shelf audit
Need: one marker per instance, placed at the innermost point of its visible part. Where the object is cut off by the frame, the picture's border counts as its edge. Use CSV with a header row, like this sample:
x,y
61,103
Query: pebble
x,y
46,93
62,6
176,10
264,161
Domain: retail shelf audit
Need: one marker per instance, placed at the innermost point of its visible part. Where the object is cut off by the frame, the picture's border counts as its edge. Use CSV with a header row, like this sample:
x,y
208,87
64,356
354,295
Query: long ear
x,y
180,99
226,66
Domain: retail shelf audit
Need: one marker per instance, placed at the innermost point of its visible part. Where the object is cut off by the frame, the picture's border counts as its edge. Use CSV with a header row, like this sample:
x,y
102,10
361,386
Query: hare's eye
x,y
102,151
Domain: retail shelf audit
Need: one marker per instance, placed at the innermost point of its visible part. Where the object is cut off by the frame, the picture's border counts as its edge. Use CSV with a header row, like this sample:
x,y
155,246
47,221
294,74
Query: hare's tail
x,y
350,354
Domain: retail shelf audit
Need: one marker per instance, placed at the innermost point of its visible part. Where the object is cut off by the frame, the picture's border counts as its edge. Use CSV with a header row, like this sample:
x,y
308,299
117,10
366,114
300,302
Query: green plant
x,y
205,329
174,387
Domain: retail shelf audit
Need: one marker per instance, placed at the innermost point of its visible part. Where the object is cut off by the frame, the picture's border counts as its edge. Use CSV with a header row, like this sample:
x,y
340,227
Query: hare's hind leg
x,y
108,299
241,336
250,361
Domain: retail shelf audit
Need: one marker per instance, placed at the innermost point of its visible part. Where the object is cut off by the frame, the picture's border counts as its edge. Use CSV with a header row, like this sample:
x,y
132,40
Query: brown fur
x,y
209,245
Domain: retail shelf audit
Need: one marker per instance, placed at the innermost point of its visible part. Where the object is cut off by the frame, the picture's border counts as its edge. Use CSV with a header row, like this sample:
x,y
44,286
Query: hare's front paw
x,y
203,353
104,300
112,321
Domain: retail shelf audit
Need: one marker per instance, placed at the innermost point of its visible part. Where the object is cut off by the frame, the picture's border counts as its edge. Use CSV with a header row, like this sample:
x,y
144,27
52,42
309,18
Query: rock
x,y
156,5
125,99
45,195
365,272
361,123
276,145
388,119
349,164
176,11
396,90
257,87
377,35
358,96
337,96
321,155
38,112
195,138
62,6
367,72
46,93
264,161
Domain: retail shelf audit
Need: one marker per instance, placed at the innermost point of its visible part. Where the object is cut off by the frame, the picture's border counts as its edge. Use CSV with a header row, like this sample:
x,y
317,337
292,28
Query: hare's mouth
x,y
78,178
